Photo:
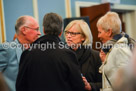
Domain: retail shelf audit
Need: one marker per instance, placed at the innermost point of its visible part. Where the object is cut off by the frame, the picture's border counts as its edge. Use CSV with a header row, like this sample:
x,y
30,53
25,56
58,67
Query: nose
x,y
39,33
99,36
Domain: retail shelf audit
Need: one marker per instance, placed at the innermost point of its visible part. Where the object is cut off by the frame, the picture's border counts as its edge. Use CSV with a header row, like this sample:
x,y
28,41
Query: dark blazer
x,y
47,66
90,62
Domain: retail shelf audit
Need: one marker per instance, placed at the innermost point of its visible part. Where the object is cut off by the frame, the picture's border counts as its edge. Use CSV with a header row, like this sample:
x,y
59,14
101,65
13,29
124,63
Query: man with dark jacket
x,y
46,66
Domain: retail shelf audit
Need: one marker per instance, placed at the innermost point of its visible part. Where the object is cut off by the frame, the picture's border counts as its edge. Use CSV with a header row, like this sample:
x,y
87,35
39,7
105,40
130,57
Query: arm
x,y
98,76
87,85
118,58
102,56
3,58
74,73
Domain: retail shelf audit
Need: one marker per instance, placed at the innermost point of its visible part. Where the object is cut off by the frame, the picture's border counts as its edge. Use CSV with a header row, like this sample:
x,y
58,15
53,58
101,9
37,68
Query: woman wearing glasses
x,y
79,38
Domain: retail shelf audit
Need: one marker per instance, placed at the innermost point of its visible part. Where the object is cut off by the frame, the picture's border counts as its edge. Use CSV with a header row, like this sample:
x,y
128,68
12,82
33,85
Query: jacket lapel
x,y
18,50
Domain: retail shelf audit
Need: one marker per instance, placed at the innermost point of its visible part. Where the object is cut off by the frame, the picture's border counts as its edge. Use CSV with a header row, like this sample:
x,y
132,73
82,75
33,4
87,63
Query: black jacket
x,y
90,62
50,68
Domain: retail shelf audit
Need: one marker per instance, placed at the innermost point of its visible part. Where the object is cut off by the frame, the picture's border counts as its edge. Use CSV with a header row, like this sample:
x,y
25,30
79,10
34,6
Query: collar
x,y
49,38
109,44
83,54
118,36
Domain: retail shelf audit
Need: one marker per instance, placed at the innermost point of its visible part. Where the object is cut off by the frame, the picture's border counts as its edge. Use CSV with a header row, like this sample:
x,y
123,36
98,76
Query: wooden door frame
x,y
129,18
2,23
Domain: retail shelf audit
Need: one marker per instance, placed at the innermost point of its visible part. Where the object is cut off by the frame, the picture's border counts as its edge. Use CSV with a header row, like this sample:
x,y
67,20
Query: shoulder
x,y
95,56
94,52
26,57
65,55
121,45
6,52
9,45
5,47
66,52
120,51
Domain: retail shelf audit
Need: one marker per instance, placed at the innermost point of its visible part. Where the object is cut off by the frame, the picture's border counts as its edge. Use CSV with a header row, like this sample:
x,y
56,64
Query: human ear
x,y
44,31
83,38
61,32
109,32
23,30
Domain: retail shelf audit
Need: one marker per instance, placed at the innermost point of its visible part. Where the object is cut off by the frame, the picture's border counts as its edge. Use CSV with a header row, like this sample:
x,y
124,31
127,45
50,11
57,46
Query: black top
x,y
49,68
90,62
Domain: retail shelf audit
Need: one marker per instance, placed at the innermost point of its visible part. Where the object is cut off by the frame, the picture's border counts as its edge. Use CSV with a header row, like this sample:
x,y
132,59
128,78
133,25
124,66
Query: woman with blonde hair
x,y
79,38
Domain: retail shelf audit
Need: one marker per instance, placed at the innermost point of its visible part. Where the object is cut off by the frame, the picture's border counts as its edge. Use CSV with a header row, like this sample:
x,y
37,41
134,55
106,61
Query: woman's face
x,y
104,36
74,36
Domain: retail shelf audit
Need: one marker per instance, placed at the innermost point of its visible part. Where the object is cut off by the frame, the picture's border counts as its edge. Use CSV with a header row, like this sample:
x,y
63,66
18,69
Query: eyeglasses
x,y
37,29
73,34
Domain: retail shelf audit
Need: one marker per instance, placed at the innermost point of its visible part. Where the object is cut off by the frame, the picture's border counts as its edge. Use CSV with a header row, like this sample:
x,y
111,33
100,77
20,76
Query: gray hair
x,y
21,21
112,21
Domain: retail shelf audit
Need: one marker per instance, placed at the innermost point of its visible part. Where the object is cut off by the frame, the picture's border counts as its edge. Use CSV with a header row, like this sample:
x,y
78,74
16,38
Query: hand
x,y
102,56
87,85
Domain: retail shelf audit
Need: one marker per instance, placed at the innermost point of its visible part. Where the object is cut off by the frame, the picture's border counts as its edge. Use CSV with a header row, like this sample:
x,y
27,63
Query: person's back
x,y
47,65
